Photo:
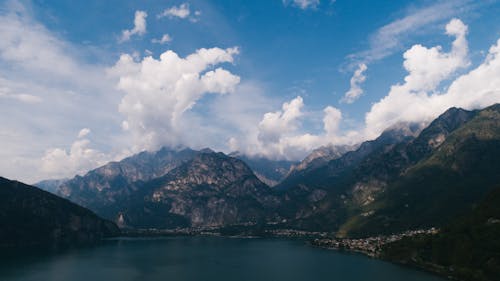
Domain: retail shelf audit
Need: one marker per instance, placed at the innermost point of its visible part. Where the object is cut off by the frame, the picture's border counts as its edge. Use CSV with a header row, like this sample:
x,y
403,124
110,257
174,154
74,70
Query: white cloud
x,y
163,40
357,79
388,39
182,11
6,93
275,124
331,120
427,67
280,134
139,26
44,75
302,4
167,101
415,100
59,163
159,93
83,132
29,46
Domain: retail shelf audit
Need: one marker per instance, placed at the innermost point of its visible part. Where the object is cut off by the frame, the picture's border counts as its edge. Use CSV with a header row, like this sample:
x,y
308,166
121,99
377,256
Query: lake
x,y
204,259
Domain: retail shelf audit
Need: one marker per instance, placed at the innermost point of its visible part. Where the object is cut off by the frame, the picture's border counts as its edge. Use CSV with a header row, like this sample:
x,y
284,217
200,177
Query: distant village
x,y
369,246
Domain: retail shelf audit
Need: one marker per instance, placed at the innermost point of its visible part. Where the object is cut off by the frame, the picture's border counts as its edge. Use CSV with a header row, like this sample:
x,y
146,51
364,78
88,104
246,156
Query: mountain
x,y
317,174
443,185
393,183
209,189
316,159
378,170
269,171
109,183
399,181
50,185
466,249
320,157
31,217
315,198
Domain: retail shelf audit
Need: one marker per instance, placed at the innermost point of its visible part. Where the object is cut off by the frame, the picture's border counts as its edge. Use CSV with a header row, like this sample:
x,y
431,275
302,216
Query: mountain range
x,y
392,183
444,174
194,189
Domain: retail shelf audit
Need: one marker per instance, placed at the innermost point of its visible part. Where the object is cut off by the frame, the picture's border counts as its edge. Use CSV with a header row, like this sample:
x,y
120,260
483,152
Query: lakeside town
x,y
370,246
240,230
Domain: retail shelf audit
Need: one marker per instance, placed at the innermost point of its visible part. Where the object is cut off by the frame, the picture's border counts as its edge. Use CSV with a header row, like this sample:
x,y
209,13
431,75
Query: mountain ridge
x,y
31,217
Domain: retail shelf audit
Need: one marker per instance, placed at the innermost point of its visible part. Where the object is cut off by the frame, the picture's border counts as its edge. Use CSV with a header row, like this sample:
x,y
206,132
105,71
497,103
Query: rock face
x,y
210,189
321,175
320,157
113,182
32,217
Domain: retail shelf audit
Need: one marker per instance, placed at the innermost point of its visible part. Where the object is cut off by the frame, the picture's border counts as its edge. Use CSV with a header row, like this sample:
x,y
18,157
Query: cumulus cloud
x,y
170,100
275,124
280,134
182,11
83,132
427,67
80,158
357,79
331,120
415,100
139,26
302,4
158,92
163,40
391,37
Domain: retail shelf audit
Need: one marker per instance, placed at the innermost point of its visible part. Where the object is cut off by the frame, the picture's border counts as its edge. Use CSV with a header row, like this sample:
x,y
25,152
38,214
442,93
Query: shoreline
x,y
224,232
370,247
373,247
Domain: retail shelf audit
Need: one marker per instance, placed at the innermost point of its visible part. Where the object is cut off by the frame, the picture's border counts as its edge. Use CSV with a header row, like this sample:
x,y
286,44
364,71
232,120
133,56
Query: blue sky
x,y
85,82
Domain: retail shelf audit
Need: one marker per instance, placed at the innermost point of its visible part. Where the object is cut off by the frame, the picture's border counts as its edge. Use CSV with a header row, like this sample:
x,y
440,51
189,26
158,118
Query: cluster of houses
x,y
370,246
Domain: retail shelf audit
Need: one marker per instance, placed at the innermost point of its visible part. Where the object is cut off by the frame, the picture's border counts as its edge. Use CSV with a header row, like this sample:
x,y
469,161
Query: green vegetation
x,y
441,187
467,249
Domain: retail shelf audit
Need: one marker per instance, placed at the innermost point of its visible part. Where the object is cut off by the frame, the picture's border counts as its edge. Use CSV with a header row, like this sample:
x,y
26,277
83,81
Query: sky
x,y
83,83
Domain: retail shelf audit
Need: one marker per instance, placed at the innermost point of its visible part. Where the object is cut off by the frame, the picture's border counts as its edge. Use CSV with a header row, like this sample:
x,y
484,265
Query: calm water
x,y
204,259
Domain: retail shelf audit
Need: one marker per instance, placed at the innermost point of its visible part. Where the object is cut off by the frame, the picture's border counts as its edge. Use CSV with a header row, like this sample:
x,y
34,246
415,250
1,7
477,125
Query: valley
x,y
379,198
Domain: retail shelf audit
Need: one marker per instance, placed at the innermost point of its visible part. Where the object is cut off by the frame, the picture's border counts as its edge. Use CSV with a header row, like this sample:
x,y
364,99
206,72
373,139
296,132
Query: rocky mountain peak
x,y
401,131
211,168
321,156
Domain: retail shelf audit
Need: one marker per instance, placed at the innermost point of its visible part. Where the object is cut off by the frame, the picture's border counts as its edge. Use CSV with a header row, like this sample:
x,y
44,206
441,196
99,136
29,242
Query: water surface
x,y
204,259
